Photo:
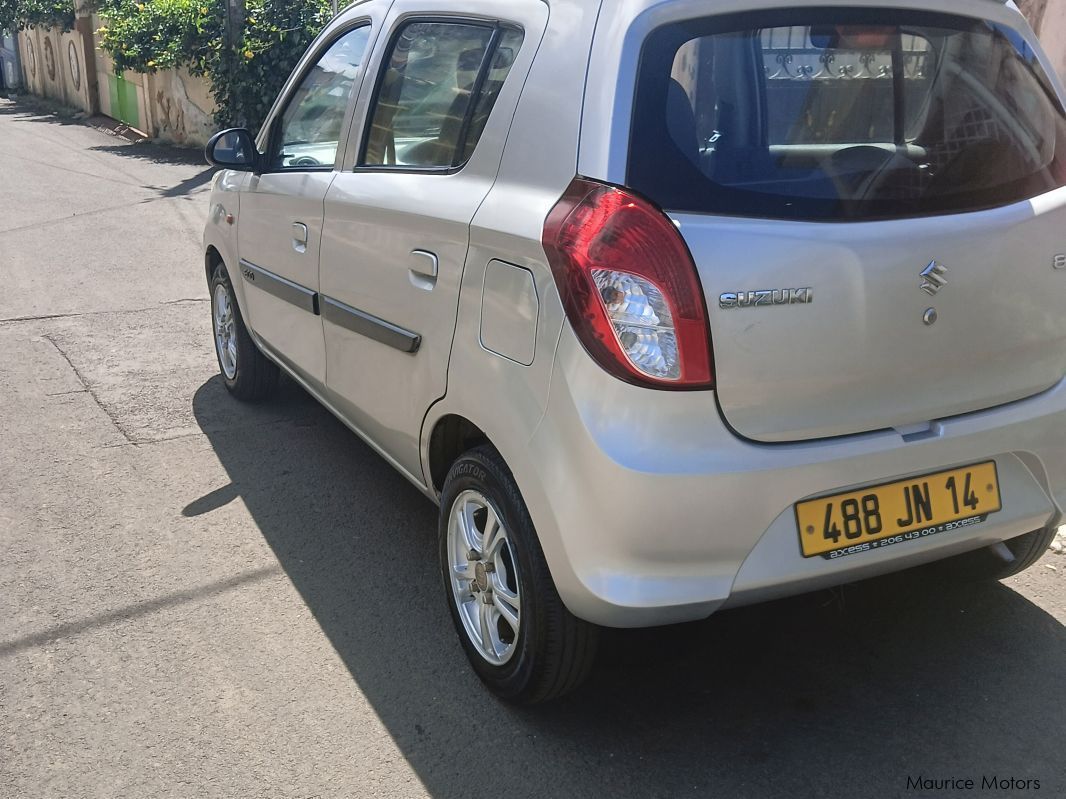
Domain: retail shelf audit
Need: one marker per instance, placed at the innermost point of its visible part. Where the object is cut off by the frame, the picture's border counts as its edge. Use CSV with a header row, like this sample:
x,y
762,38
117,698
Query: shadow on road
x,y
843,693
162,154
156,153
36,110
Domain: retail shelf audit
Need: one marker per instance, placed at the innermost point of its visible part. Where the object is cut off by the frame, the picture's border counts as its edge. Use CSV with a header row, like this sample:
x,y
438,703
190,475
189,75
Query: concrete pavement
x,y
202,599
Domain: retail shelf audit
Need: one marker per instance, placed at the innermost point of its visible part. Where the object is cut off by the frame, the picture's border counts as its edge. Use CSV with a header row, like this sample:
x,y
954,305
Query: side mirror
x,y
232,149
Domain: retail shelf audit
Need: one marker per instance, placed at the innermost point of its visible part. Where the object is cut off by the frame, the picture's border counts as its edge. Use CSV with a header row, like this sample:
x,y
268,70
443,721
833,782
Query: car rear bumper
x,y
651,511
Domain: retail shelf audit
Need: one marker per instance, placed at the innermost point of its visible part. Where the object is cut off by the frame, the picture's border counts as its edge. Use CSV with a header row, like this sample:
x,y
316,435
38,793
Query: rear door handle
x,y
423,274
299,237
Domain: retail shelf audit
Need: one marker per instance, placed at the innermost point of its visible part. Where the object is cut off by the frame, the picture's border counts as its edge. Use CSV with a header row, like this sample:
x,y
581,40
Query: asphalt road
x,y
200,599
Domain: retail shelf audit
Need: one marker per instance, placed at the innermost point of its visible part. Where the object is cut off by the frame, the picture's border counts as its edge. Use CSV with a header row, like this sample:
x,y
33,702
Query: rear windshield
x,y
824,114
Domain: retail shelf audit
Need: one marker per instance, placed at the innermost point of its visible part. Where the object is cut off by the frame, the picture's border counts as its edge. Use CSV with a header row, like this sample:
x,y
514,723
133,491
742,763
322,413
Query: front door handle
x,y
423,273
299,237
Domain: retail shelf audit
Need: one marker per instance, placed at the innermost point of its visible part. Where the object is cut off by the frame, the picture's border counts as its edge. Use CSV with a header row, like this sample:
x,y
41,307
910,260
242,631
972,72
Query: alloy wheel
x,y
484,577
225,331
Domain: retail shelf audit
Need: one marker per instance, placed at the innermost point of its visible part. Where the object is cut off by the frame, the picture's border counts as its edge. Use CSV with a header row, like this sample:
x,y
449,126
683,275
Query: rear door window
x,y
826,114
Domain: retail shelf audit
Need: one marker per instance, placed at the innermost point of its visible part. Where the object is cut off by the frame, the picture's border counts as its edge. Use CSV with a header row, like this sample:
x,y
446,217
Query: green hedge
x,y
244,79
161,34
22,14
148,35
276,35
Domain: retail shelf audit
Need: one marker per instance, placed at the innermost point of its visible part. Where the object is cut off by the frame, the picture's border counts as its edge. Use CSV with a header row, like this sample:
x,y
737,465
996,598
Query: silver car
x,y
670,305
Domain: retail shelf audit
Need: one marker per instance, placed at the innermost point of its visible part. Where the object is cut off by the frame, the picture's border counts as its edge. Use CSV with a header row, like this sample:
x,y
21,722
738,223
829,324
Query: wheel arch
x,y
212,258
448,433
452,435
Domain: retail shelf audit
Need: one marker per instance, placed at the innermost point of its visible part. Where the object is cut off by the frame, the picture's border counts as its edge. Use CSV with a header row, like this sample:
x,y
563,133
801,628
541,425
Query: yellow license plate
x,y
907,510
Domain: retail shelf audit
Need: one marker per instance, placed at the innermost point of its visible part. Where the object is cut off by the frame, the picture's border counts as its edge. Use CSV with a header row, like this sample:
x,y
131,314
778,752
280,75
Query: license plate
x,y
906,510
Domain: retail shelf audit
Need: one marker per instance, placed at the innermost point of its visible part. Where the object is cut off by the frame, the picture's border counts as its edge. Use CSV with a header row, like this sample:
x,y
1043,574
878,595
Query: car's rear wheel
x,y
248,374
519,637
1003,560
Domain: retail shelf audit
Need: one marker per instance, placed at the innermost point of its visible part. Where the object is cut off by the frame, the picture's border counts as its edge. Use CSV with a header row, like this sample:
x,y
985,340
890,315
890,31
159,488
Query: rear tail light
x,y
630,288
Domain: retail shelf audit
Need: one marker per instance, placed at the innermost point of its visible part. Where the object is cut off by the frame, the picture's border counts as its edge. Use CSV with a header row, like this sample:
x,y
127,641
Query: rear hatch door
x,y
873,199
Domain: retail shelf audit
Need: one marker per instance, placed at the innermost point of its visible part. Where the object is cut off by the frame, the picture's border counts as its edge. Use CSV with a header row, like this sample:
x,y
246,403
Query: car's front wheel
x,y
248,374
519,637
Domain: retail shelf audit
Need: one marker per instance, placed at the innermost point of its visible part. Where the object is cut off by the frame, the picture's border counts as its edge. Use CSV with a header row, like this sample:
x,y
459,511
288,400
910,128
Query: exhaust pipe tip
x,y
1002,551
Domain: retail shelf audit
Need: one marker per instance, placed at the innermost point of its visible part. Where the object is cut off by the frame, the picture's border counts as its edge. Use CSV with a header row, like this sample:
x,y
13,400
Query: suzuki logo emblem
x,y
934,278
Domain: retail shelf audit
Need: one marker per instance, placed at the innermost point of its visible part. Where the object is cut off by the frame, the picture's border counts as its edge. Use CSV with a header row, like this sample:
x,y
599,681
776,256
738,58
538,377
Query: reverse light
x,y
629,286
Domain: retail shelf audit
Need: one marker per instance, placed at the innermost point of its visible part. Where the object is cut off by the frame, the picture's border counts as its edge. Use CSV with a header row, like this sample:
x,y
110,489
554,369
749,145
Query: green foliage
x,y
249,77
21,14
245,77
9,15
160,34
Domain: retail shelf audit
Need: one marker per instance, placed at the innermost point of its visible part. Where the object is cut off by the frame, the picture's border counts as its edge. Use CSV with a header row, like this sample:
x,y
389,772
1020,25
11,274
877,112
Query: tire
x,y
248,374
984,565
552,651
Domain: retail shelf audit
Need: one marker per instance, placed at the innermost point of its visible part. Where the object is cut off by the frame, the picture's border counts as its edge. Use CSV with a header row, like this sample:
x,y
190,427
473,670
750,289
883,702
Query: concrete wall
x,y
10,69
181,107
170,105
1033,9
54,64
1052,29
122,95
1048,18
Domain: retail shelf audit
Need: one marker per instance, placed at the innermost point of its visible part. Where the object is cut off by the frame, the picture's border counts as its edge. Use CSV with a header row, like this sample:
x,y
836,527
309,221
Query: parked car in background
x,y
671,306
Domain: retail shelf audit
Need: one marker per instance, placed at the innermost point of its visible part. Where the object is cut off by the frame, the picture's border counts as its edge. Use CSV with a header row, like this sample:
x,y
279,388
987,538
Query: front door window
x,y
310,127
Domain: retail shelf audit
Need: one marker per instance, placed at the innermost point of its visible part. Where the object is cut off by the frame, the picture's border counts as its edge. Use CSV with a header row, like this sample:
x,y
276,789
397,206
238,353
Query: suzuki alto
x,y
670,305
